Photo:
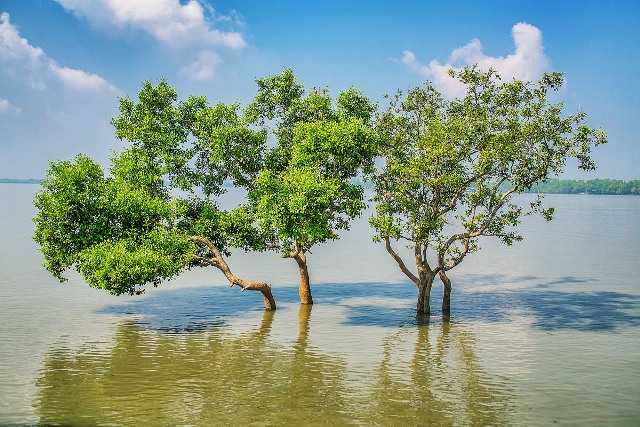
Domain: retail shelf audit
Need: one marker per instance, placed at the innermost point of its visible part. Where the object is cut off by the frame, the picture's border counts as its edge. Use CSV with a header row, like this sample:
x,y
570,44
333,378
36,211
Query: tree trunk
x,y
304,290
446,296
424,295
269,301
218,261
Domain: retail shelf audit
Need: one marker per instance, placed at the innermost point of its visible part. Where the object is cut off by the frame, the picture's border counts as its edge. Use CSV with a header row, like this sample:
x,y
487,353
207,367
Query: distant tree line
x,y
19,181
592,186
551,186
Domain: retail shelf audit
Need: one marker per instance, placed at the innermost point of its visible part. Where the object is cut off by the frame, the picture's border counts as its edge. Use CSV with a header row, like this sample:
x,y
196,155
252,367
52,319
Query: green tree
x,y
305,192
452,168
156,214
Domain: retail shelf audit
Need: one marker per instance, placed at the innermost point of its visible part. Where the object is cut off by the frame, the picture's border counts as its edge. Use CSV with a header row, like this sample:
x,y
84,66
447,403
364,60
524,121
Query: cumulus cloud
x,y
202,68
14,47
35,67
80,80
8,107
17,54
527,62
169,21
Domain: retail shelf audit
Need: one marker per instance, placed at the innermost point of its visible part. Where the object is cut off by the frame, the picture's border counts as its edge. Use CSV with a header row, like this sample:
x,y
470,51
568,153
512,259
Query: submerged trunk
x,y
269,301
446,296
424,294
218,261
304,290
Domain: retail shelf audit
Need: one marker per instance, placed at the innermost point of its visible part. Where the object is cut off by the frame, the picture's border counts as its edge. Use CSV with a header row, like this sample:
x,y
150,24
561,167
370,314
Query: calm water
x,y
545,332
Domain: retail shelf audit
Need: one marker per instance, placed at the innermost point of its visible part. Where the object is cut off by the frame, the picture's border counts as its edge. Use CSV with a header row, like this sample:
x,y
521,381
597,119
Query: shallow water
x,y
544,332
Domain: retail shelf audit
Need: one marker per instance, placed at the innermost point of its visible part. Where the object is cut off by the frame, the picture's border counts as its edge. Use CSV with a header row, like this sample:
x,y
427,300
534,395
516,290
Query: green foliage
x,y
452,166
131,228
302,207
186,145
305,191
126,265
158,128
225,229
226,148
80,213
156,213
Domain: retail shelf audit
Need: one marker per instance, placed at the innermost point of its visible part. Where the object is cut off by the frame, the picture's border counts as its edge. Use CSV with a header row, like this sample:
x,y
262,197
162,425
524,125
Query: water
x,y
544,332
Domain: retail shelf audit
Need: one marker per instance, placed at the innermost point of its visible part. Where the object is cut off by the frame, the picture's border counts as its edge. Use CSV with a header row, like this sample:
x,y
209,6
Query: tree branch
x,y
214,250
463,187
219,262
400,262
467,236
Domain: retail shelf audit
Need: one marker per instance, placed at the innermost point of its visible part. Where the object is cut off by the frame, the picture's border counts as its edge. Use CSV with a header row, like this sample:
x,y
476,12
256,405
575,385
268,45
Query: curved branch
x,y
214,250
219,262
467,236
400,262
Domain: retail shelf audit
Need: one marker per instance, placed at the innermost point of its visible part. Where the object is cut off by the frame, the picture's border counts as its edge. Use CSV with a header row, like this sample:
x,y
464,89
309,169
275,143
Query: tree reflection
x,y
426,375
207,378
437,381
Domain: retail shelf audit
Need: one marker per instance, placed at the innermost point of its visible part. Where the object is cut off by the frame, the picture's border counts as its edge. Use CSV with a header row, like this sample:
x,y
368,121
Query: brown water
x,y
545,332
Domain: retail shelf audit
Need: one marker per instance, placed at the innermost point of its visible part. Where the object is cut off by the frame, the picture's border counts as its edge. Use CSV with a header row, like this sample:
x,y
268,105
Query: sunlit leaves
x,y
134,226
304,194
126,265
78,208
453,166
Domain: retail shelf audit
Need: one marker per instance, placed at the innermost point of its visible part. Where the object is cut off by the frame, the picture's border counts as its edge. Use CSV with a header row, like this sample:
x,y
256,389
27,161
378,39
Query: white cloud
x,y
527,62
18,56
14,47
204,67
8,107
169,21
35,67
80,80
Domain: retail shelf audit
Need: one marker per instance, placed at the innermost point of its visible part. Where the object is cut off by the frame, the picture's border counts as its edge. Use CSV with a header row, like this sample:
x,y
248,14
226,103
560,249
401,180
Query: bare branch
x,y
219,262
202,261
400,262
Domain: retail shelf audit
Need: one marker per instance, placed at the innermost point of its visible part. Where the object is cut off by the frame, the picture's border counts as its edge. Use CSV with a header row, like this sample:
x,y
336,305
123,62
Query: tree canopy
x,y
453,166
304,193
131,228
155,213
451,169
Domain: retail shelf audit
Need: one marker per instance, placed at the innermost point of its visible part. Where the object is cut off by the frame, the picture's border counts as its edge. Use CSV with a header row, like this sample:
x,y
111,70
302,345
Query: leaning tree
x,y
452,168
156,213
305,192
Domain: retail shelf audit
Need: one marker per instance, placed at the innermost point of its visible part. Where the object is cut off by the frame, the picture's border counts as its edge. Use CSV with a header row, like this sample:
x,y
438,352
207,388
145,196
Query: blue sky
x,y
63,63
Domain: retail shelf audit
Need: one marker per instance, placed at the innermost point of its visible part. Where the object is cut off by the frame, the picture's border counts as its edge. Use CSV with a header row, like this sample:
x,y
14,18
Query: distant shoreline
x,y
611,187
19,181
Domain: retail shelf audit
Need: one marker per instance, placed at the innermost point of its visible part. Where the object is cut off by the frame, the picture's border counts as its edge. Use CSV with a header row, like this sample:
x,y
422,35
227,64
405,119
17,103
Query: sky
x,y
65,63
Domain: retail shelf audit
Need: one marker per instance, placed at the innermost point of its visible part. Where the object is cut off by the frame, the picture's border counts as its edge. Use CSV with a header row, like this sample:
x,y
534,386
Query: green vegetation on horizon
x,y
592,186
600,186
19,181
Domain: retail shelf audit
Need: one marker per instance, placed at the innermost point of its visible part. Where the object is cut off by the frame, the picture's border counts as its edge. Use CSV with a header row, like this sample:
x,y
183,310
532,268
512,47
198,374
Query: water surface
x,y
544,332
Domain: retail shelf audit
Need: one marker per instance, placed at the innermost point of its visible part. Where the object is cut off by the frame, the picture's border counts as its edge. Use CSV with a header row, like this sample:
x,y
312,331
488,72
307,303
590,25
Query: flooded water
x,y
545,332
